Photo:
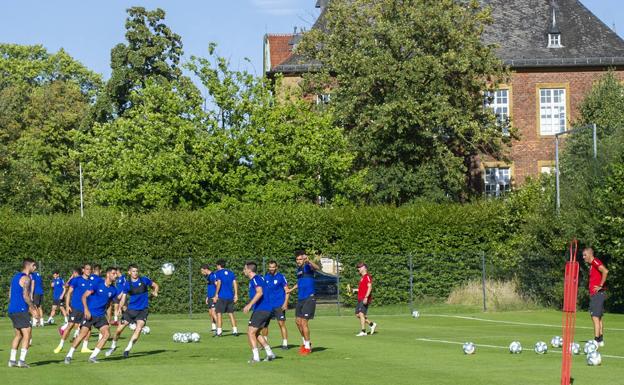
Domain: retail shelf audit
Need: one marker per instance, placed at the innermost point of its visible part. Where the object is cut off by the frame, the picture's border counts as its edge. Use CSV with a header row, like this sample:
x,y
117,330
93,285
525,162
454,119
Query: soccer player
x,y
365,289
597,278
137,287
226,295
306,303
37,296
261,316
73,301
95,276
211,288
20,304
94,301
58,295
119,284
276,287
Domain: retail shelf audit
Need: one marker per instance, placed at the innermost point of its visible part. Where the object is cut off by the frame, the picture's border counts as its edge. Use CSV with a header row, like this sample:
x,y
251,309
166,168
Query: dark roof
x,y
520,30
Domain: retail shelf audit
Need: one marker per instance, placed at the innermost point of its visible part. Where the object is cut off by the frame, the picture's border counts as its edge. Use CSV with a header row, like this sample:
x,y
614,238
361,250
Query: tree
x,y
407,80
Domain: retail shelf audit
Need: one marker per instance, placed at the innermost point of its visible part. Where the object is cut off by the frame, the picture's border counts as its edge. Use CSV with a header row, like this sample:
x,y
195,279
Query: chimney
x,y
322,4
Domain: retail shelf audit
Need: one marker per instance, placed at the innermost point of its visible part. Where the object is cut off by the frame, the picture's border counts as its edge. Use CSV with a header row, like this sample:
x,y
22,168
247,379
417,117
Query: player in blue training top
x,y
261,305
20,304
73,301
117,309
277,286
95,277
226,295
76,272
137,287
211,289
95,301
37,296
58,293
306,304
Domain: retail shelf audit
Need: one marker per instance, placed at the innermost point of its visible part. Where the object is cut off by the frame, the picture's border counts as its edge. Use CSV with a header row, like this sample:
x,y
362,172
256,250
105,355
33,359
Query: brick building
x,y
556,50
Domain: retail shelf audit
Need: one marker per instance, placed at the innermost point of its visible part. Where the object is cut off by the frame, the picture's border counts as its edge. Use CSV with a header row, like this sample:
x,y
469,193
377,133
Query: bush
x,y
500,295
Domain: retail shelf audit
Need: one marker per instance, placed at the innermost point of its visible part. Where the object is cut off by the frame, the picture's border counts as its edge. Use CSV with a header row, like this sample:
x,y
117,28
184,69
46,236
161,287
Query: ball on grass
x,y
515,347
590,347
541,347
556,342
594,359
415,314
146,330
469,348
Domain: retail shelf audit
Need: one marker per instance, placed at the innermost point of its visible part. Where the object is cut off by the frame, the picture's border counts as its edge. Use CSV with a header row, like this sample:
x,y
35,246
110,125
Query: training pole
x,y
570,291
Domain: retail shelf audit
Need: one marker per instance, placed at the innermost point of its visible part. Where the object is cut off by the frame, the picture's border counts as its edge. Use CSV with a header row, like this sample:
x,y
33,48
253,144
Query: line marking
x,y
498,347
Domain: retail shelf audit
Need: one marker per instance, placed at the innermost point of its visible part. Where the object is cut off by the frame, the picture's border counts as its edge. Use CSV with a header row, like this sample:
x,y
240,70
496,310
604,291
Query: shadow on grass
x,y
138,354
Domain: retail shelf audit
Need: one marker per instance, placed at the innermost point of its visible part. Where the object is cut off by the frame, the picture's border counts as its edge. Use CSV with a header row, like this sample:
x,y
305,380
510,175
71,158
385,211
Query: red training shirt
x,y
363,287
595,276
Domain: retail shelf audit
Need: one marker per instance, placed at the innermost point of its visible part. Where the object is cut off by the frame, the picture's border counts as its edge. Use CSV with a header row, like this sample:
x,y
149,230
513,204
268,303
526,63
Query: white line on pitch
x,y
510,322
495,346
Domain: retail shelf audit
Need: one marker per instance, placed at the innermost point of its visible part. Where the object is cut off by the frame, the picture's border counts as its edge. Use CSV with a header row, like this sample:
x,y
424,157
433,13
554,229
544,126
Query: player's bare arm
x,y
253,301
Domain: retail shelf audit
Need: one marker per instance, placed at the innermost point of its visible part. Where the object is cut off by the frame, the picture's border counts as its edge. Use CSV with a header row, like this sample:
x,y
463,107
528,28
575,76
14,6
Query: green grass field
x,y
426,350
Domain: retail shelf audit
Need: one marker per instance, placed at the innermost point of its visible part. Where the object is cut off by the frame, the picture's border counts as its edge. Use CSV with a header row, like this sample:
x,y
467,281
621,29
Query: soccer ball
x,y
590,347
541,347
168,268
575,348
515,347
146,330
132,326
469,348
176,337
415,314
556,342
184,338
594,359
195,337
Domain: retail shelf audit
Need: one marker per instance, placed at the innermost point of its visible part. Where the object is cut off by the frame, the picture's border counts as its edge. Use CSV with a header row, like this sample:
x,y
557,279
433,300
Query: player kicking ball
x,y
95,300
137,287
261,316
365,290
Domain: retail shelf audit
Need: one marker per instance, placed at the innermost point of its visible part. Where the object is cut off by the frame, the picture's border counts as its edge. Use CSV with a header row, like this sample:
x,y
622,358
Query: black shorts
x,y
37,299
20,320
59,302
305,308
260,319
278,314
211,303
224,306
98,322
76,316
361,308
132,316
596,304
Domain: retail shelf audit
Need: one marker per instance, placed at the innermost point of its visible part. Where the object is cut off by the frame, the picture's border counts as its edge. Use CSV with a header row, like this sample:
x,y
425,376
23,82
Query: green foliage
x,y
407,82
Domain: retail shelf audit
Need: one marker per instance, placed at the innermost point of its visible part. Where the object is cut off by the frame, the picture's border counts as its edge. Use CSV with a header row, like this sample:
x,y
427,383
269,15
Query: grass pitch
x,y
426,350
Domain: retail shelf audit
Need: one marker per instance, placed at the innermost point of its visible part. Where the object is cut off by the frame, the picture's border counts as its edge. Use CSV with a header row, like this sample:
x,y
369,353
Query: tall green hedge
x,y
445,242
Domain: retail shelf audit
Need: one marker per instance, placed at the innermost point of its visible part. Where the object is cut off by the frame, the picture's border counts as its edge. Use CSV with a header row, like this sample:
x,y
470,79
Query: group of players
x,y
89,300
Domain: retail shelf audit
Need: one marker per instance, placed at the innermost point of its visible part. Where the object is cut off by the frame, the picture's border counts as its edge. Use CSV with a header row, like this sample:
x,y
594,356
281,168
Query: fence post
x,y
483,280
337,260
264,265
190,277
411,282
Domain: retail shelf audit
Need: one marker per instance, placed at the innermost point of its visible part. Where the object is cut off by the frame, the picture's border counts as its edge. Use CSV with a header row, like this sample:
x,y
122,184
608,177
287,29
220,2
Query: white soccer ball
x,y
575,348
195,337
184,339
594,359
469,348
541,347
132,326
146,330
415,314
168,268
515,347
176,337
556,342
590,347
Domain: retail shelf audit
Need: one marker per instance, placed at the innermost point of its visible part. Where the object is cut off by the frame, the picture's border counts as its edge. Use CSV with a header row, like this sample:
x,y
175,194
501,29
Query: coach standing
x,y
597,278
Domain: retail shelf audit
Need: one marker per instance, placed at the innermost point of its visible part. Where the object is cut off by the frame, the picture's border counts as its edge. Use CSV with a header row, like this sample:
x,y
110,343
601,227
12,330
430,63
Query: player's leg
x,y
230,311
85,343
219,309
84,331
252,339
135,336
14,346
118,331
52,314
282,326
213,319
105,332
40,312
25,342
362,319
64,336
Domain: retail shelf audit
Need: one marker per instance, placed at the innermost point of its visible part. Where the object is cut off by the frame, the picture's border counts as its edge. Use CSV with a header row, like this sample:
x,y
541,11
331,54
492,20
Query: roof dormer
x,y
554,33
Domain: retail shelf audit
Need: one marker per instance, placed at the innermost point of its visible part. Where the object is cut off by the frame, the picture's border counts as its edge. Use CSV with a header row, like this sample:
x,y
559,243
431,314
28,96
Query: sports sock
x,y
13,355
234,330
130,343
268,350
219,330
50,319
96,351
114,344
71,351
306,344
76,332
23,354
40,321
66,319
256,354
115,318
214,326
85,344
363,330
33,322
284,342
61,343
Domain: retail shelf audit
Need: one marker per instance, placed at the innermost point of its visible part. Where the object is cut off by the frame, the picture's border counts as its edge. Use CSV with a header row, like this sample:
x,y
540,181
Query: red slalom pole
x,y
570,292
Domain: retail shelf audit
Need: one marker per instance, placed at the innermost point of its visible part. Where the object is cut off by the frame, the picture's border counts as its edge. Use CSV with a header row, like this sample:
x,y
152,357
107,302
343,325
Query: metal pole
x,y
81,196
411,282
264,265
595,142
483,279
190,266
337,260
557,172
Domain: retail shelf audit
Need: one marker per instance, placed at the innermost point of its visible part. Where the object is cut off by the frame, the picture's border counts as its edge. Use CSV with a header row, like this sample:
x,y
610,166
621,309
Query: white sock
x,y
234,329
219,330
40,321
114,344
34,322
214,326
99,336
268,350
66,319
13,355
71,351
50,318
85,344
129,345
284,342
62,343
64,326
256,354
116,318
76,332
23,354
306,344
96,351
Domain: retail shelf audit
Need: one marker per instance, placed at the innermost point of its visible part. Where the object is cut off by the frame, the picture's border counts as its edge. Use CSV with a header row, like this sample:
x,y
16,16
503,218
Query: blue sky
x,y
89,29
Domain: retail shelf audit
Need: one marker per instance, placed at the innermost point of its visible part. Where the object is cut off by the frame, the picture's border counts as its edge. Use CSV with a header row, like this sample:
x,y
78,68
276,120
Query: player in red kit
x,y
597,278
365,290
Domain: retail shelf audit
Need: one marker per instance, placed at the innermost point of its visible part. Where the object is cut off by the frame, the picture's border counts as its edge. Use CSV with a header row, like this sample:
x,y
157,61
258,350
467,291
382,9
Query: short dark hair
x,y
87,264
589,249
26,262
97,266
132,266
78,269
221,262
273,262
109,269
251,265
55,272
299,252
205,266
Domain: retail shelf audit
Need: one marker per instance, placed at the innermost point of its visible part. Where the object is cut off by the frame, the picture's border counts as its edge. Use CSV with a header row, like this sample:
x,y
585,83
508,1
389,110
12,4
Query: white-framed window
x,y
552,111
554,40
497,181
498,101
547,170
323,98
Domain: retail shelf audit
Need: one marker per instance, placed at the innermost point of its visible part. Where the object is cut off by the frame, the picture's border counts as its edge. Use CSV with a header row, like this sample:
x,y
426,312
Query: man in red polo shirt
x,y
365,289
597,277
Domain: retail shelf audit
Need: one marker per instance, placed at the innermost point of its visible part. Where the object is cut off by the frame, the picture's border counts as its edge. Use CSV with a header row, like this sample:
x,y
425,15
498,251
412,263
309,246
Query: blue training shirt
x,y
57,289
305,281
17,304
139,293
211,287
94,278
264,304
38,281
80,285
121,281
276,288
227,278
99,298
